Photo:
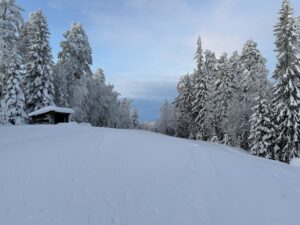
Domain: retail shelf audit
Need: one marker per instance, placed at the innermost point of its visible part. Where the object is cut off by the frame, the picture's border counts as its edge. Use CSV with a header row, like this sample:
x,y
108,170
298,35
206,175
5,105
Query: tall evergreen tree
x,y
201,97
235,111
13,103
262,129
11,94
224,89
286,101
39,87
73,70
183,105
10,25
254,80
253,83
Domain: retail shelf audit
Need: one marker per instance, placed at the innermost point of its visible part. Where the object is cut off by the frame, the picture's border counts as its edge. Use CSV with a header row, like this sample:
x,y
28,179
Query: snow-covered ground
x,y
79,175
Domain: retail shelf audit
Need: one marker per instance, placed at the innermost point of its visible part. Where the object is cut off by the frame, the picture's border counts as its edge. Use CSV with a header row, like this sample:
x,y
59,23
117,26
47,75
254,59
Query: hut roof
x,y
51,109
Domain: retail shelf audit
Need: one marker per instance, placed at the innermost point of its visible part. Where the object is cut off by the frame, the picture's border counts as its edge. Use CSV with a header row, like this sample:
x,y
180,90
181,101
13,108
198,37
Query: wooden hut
x,y
50,115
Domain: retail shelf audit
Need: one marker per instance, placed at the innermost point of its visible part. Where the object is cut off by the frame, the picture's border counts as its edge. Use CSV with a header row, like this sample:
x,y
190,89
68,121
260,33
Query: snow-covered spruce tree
x,y
183,105
11,94
211,71
13,102
224,90
61,96
39,89
262,129
253,82
10,25
134,118
73,70
201,97
235,110
210,67
286,101
23,51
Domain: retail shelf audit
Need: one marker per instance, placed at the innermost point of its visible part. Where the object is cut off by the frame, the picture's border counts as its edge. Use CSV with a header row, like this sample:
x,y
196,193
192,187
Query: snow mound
x,y
75,175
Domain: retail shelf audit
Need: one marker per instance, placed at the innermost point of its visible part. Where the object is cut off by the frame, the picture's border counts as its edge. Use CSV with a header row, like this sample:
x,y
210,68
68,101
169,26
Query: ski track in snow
x,y
74,175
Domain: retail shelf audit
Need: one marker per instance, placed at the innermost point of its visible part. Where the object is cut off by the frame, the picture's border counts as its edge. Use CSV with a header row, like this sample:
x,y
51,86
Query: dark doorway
x,y
61,118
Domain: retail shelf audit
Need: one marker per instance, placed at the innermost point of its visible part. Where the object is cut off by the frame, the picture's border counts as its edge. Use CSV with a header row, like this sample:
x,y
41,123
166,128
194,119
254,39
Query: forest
x,y
232,100
31,80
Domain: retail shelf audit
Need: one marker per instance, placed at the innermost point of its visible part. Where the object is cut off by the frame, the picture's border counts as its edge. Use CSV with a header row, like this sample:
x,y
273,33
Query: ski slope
x,y
79,175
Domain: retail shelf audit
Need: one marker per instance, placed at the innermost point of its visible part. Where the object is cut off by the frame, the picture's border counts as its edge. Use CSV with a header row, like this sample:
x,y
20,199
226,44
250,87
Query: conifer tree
x,y
39,87
254,77
13,103
224,90
201,97
73,70
183,104
235,111
262,129
286,101
253,82
10,25
11,94
210,69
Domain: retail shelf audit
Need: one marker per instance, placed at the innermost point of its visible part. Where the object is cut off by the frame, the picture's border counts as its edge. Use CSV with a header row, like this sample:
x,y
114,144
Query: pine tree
x,y
10,25
11,94
201,97
262,129
286,101
183,105
73,70
255,72
39,88
224,90
210,67
13,103
235,111
253,83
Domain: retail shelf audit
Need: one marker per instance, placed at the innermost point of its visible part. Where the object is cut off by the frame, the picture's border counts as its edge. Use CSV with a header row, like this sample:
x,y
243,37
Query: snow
x,y
295,162
51,108
74,175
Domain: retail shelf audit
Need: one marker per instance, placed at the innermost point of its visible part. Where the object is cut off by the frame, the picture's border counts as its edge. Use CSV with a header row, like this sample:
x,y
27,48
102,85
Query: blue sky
x,y
144,46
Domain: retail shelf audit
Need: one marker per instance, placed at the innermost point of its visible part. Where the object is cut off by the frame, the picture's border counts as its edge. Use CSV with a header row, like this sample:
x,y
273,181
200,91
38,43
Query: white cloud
x,y
147,89
160,36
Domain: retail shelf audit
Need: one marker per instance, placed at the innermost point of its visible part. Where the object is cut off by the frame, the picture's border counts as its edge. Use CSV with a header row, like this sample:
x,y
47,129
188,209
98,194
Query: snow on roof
x,y
50,109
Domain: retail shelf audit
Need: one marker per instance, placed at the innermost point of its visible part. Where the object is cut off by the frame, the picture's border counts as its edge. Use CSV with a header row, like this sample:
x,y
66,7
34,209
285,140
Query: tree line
x,y
30,80
230,100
